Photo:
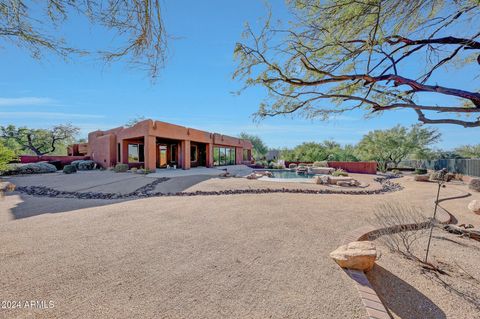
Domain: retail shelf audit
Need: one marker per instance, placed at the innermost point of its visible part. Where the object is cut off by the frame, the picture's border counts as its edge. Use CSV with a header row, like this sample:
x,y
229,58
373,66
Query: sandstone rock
x,y
321,170
333,180
421,178
359,255
474,206
475,184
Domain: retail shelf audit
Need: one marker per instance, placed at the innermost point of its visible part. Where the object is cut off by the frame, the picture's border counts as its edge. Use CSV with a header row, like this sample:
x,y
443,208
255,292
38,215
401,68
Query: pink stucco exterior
x,y
163,144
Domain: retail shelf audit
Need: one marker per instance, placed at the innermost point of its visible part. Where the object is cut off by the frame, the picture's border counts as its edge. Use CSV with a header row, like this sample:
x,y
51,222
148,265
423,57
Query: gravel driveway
x,y
230,256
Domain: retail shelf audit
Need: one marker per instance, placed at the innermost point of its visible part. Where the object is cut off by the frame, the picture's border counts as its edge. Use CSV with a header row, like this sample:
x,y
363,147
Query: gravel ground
x,y
234,256
214,184
411,292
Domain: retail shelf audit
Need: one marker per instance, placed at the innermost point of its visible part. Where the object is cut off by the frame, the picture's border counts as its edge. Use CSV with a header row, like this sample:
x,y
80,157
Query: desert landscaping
x,y
210,254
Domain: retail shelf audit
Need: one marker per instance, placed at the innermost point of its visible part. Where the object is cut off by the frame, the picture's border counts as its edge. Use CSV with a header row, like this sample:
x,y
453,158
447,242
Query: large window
x,y
193,153
223,155
135,153
246,156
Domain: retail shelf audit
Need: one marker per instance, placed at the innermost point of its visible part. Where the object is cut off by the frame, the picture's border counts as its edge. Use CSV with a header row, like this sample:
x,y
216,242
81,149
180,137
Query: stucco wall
x,y
103,144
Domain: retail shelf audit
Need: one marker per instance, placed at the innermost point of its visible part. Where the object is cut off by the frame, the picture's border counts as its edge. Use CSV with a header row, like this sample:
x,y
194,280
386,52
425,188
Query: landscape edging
x,y
370,299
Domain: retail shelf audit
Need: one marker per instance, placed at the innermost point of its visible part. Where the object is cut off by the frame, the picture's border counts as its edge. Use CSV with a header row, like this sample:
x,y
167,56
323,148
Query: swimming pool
x,y
280,173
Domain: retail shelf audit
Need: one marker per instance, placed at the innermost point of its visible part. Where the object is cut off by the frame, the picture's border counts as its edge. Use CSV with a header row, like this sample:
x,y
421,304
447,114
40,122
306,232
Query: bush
x,y
121,168
86,165
420,171
83,165
32,168
475,184
339,172
320,164
440,175
69,169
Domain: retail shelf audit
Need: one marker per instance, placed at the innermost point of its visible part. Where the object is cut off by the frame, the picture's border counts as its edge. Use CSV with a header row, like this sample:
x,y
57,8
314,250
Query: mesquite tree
x,y
136,27
39,141
379,55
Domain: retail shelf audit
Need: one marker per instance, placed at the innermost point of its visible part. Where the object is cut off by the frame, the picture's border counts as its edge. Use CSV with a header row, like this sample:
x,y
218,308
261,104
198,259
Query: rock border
x,y
147,191
374,306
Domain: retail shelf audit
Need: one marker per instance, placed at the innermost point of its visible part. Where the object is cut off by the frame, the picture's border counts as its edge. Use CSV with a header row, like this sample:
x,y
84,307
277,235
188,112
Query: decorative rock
x,y
421,178
474,206
359,255
333,180
475,184
321,170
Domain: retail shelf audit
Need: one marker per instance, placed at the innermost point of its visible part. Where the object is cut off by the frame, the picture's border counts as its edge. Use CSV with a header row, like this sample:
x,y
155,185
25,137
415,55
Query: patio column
x,y
150,152
185,150
124,151
209,155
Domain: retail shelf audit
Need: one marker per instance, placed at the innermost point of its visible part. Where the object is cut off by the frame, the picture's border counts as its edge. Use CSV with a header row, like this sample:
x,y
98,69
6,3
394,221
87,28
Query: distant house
x,y
272,155
155,144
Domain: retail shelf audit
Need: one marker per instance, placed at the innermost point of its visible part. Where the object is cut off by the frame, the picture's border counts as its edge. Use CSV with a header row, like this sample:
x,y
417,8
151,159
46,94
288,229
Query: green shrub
x,y
32,168
83,165
69,169
320,164
420,171
340,172
121,168
6,155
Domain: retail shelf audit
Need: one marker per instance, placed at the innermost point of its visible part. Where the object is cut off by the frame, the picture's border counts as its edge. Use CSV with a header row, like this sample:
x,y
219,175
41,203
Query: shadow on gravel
x,y
22,205
401,298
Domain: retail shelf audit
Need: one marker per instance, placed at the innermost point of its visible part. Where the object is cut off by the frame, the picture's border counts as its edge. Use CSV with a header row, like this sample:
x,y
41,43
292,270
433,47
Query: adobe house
x,y
155,144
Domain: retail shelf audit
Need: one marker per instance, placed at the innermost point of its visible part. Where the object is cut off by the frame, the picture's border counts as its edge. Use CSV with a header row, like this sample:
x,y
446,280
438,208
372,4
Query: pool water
x,y
288,174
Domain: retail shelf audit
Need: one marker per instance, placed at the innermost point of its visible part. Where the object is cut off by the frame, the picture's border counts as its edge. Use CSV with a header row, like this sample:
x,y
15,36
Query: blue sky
x,y
195,88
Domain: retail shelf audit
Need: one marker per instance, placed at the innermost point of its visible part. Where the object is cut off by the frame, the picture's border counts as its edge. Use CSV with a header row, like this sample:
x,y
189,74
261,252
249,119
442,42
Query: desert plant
x,y
400,227
86,165
339,172
320,164
121,168
441,175
32,168
69,169
420,171
474,184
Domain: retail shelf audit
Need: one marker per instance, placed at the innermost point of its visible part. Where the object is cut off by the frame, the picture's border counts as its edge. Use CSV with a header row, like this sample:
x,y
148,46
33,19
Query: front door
x,y
162,156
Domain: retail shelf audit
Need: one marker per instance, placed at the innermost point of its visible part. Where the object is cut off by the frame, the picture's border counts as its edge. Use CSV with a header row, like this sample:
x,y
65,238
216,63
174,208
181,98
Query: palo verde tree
x,y
260,149
39,141
136,27
468,151
378,55
390,147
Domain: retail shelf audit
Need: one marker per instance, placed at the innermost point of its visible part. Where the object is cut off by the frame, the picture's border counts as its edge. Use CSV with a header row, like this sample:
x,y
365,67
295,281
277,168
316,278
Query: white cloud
x,y
26,101
48,115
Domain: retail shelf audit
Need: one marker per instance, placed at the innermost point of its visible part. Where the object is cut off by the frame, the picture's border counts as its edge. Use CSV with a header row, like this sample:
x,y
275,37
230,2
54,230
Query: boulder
x,y
421,178
474,206
321,170
6,187
359,255
333,180
475,184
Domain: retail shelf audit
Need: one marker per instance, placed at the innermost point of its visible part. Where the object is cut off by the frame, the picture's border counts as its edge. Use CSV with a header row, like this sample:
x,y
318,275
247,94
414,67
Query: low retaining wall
x,y
351,167
65,160
374,306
